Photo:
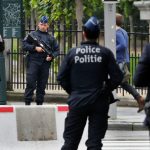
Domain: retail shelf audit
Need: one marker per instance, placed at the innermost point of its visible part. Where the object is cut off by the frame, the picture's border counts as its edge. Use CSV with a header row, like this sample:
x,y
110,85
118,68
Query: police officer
x,y
82,75
142,79
38,62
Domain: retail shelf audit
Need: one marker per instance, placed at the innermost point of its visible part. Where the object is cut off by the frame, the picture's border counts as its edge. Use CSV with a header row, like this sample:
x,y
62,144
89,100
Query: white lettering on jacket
x,y
89,54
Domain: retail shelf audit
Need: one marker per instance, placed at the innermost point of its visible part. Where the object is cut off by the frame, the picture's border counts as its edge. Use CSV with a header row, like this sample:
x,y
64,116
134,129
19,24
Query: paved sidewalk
x,y
56,145
128,119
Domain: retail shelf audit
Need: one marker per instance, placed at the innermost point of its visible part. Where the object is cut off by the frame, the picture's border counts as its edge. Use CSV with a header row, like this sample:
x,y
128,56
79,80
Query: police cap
x,y
44,19
92,24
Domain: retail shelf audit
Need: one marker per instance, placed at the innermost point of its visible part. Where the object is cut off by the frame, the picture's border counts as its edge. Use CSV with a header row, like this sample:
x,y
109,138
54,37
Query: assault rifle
x,y
46,48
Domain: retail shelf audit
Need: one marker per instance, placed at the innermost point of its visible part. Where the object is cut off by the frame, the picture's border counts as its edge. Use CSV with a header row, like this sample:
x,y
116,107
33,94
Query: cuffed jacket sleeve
x,y
114,72
142,73
63,77
27,45
121,45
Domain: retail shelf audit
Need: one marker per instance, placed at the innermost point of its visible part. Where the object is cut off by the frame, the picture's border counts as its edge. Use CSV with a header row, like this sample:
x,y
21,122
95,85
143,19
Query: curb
x,y
61,98
51,98
126,126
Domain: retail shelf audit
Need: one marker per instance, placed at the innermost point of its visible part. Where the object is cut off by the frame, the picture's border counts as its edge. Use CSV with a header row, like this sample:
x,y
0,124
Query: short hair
x,y
119,19
91,35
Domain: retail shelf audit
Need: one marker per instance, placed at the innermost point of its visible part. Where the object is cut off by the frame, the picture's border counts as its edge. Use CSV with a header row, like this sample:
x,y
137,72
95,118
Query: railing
x,y
67,36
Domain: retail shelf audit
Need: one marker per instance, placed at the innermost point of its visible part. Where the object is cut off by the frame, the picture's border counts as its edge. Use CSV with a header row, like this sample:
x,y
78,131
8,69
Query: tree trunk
x,y
33,18
79,17
131,31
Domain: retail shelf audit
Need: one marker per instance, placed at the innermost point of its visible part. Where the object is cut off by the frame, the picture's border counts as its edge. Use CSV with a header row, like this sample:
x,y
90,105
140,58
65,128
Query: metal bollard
x,y
2,80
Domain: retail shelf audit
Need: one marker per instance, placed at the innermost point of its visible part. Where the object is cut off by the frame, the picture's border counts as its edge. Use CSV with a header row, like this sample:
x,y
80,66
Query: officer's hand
x,y
49,58
39,49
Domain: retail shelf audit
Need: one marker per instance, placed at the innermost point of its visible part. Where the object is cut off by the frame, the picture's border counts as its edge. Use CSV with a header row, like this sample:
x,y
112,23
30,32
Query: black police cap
x,y
44,19
92,24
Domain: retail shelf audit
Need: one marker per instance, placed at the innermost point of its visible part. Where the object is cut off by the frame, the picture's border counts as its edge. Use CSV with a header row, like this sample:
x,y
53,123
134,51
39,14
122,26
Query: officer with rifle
x,y
41,48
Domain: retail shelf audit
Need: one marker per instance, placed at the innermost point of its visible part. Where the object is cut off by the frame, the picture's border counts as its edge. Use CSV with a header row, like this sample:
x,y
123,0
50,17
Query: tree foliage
x,y
127,8
27,7
65,9
55,9
62,9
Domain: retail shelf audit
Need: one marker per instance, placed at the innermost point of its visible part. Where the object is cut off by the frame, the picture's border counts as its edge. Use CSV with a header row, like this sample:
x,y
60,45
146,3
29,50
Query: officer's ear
x,y
84,34
47,26
38,25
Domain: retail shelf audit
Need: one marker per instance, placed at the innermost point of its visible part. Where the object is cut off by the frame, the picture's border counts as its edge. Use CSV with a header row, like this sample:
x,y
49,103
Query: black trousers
x,y
97,114
37,77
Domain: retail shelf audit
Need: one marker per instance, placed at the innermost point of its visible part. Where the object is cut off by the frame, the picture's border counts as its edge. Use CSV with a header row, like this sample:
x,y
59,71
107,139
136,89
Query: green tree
x,y
129,11
58,9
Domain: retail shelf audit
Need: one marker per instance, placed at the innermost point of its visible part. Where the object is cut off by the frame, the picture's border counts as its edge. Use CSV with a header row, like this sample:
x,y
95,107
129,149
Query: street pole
x,y
110,39
2,80
2,64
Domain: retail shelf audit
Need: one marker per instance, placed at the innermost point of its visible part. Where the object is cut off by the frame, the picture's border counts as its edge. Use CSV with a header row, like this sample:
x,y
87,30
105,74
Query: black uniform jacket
x,y
142,73
43,36
84,71
142,79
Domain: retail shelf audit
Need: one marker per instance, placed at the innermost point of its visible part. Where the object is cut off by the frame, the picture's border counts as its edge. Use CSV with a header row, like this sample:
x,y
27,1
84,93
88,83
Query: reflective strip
x,y
6,109
63,108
